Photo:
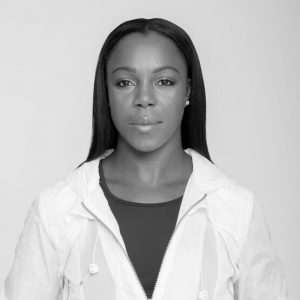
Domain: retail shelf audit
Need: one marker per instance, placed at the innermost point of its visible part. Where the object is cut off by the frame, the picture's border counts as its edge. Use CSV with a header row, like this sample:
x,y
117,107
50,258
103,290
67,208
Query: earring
x,y
187,102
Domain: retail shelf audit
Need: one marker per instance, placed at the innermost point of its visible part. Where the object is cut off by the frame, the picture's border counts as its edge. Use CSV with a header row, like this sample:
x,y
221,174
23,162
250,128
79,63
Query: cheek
x,y
117,107
174,110
116,114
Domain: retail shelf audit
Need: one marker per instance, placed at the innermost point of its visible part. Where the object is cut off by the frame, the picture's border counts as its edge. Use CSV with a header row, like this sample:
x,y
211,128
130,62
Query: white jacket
x,y
220,248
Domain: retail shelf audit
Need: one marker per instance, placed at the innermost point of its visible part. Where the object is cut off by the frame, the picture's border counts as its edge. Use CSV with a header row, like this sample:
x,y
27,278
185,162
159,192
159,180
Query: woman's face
x,y
147,90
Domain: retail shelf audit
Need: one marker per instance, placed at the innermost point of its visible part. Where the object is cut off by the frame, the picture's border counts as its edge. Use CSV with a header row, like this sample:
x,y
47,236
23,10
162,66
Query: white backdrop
x,y
249,52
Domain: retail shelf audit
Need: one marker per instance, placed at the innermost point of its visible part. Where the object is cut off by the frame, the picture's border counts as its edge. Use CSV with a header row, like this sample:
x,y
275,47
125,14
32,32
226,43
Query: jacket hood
x,y
206,177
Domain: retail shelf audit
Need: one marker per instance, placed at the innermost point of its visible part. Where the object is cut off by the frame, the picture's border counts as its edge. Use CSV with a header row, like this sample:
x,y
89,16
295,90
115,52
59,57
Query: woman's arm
x,y
34,273
261,274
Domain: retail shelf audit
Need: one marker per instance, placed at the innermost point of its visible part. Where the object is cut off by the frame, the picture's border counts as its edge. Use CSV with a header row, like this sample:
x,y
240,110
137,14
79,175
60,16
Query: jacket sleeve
x,y
33,275
260,270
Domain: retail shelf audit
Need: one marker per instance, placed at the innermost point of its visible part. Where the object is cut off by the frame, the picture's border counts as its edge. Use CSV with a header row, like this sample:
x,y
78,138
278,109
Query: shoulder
x,y
231,208
56,204
63,197
56,200
61,201
229,205
52,209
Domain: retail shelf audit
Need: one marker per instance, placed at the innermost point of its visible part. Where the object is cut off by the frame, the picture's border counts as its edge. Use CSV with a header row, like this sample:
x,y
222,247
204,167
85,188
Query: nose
x,y
145,96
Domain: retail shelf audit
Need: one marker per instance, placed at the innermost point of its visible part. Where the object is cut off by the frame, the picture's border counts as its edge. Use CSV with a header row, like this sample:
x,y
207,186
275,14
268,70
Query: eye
x,y
165,82
124,83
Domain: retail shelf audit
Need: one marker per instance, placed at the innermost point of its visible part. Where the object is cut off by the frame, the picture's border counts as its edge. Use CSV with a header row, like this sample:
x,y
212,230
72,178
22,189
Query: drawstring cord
x,y
93,268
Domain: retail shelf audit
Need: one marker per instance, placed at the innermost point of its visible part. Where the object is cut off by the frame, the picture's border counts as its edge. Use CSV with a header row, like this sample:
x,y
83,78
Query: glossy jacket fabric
x,y
71,247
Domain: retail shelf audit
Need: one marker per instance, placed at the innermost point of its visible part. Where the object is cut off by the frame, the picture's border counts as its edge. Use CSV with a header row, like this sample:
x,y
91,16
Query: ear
x,y
188,88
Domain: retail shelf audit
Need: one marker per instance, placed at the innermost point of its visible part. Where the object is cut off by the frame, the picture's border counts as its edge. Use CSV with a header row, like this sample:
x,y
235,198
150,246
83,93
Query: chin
x,y
145,147
148,143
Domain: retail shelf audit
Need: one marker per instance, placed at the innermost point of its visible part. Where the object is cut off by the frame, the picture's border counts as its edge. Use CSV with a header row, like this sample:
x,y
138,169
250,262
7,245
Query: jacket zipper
x,y
170,240
165,252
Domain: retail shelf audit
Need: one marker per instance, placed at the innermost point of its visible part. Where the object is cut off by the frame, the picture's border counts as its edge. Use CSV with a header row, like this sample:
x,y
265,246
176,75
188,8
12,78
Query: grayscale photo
x,y
150,150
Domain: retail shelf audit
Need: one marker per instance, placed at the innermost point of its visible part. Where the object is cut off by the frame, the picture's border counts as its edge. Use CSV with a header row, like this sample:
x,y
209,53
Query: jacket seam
x,y
247,228
43,220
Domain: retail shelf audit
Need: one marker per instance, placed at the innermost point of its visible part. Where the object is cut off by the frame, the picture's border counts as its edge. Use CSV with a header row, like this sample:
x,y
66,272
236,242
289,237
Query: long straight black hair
x,y
193,126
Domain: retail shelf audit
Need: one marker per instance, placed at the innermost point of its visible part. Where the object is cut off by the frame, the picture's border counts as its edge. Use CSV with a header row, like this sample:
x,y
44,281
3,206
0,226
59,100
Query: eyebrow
x,y
133,70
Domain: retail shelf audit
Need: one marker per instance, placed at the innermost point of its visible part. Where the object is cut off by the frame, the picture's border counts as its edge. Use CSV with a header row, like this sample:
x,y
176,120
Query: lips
x,y
145,128
145,124
145,121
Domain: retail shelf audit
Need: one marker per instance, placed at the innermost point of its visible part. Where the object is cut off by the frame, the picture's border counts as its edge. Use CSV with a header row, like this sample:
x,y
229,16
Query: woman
x,y
147,215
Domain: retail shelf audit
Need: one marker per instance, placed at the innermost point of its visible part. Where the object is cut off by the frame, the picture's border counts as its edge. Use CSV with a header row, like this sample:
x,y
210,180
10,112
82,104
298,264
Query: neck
x,y
159,166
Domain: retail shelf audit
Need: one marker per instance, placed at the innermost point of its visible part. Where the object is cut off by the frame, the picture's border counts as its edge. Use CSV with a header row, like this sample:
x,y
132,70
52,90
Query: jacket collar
x,y
205,178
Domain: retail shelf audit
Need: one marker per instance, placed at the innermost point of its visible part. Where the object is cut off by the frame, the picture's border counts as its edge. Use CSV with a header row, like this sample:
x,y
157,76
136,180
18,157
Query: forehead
x,y
146,51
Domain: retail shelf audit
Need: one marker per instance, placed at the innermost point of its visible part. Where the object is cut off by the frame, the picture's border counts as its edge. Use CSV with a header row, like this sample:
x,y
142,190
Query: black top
x,y
146,229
